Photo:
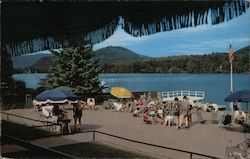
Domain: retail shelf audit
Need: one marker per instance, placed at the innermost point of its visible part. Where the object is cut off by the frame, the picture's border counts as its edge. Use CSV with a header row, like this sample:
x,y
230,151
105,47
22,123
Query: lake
x,y
215,86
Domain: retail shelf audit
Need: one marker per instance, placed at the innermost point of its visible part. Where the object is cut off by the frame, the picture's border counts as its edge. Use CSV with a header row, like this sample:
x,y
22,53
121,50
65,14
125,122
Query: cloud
x,y
202,39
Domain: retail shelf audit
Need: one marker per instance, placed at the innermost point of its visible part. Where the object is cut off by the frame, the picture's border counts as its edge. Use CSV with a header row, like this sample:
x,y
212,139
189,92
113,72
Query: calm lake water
x,y
215,86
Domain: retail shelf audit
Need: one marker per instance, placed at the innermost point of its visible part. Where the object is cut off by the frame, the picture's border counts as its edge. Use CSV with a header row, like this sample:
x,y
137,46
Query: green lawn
x,y
93,150
23,132
83,150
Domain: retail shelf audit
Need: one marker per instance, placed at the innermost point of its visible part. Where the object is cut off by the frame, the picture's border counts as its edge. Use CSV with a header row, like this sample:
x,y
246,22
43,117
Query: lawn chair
x,y
226,119
146,119
214,118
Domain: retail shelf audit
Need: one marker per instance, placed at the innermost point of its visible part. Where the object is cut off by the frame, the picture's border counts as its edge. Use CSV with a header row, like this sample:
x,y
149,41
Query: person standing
x,y
176,111
184,112
77,114
189,113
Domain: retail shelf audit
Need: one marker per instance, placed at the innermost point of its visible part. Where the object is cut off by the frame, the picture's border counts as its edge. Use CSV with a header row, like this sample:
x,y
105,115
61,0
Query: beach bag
x,y
189,107
176,108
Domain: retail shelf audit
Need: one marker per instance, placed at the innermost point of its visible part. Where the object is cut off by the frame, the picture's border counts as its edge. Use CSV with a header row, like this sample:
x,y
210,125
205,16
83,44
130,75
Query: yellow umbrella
x,y
121,92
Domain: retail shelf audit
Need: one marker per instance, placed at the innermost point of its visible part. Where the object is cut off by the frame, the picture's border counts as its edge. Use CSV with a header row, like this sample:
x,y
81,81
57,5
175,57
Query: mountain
x,y
44,63
20,62
206,63
113,54
244,50
123,58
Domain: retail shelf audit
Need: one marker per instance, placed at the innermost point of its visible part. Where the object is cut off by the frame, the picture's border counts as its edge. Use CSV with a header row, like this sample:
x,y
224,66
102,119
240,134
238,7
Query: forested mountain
x,y
20,62
215,62
112,54
121,60
42,62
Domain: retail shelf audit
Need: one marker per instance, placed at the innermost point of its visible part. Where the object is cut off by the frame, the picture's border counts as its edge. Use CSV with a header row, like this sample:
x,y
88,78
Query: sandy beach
x,y
209,138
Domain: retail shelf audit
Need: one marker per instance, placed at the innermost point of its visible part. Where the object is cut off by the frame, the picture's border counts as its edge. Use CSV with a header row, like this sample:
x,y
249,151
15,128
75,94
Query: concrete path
x,y
206,139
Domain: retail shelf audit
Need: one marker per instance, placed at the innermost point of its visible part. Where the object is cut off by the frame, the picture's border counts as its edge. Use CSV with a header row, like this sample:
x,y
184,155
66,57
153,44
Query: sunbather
x,y
239,117
91,103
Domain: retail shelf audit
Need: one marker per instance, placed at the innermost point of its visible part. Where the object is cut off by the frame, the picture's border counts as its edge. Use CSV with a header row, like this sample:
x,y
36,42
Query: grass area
x,y
24,132
28,152
93,150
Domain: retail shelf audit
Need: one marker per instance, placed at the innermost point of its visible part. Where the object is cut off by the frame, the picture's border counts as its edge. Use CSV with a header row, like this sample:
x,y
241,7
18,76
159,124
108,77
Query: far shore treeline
x,y
123,63
209,63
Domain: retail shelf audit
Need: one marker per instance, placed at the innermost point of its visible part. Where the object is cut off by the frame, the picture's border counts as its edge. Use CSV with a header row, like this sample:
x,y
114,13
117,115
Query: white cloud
x,y
201,39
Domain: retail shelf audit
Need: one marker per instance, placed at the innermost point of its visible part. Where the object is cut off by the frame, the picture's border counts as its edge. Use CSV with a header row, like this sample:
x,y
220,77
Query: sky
x,y
203,39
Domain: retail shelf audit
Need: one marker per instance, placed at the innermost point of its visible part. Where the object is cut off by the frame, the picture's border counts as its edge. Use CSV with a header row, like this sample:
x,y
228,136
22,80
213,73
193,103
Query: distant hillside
x,y
27,60
112,54
118,59
244,50
44,63
208,63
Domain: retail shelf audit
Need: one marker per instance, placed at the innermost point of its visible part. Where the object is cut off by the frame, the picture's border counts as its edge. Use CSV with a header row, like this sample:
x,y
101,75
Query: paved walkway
x,y
201,138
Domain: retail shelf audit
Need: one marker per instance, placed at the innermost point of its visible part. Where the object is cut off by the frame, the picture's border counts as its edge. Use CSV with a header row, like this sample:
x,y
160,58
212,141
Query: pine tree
x,y
75,68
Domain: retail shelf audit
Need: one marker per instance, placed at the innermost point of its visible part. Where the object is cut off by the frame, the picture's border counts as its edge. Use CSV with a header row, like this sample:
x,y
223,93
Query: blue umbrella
x,y
56,95
239,96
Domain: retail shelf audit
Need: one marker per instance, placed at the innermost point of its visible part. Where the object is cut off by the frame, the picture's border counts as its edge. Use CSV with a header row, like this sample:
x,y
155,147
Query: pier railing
x,y
199,95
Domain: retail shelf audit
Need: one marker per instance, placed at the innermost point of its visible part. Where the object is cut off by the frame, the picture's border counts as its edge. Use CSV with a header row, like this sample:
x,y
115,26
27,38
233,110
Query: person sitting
x,y
47,110
59,112
239,117
136,112
226,118
169,114
91,103
117,106
146,117
160,112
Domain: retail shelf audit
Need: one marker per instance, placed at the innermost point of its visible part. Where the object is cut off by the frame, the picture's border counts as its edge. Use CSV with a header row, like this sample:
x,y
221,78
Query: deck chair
x,y
240,117
146,119
214,118
226,119
91,103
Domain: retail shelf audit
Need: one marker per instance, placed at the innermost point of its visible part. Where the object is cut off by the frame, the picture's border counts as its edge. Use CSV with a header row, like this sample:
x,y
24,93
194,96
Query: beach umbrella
x,y
56,96
121,92
239,96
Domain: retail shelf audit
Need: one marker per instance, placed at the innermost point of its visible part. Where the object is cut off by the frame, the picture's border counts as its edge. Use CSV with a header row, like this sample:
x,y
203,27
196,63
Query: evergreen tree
x,y
7,83
12,92
75,68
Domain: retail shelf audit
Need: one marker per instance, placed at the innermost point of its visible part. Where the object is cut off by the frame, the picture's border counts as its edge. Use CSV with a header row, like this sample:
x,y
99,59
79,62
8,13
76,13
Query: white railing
x,y
198,95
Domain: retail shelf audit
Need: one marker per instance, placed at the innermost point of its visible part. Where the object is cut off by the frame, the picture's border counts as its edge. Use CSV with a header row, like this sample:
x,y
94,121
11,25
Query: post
x,y
231,85
231,76
94,136
231,58
191,155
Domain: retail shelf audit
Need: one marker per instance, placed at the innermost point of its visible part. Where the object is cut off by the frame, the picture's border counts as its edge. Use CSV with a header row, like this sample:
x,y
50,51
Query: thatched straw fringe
x,y
64,41
194,18
189,19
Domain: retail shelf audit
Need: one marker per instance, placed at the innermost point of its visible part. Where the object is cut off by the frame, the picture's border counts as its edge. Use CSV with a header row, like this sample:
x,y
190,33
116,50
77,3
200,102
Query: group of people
x,y
56,114
155,111
179,110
